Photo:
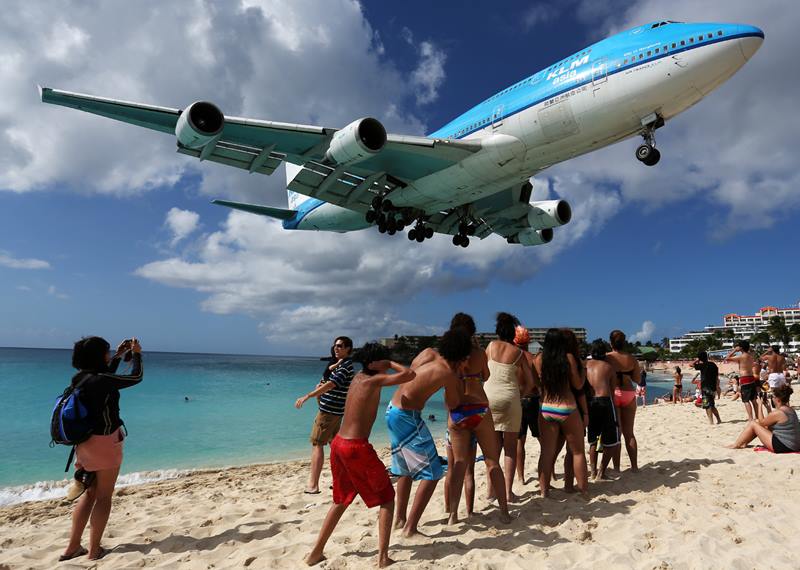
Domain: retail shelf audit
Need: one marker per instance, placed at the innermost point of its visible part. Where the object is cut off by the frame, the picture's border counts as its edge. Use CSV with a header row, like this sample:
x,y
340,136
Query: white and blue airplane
x,y
472,176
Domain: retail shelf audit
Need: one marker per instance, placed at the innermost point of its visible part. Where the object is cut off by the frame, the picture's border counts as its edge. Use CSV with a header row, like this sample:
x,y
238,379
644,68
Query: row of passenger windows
x,y
675,45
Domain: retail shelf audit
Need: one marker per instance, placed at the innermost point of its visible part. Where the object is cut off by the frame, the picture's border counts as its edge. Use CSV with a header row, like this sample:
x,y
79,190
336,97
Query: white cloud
x,y
540,13
23,288
646,332
181,223
7,260
429,74
54,292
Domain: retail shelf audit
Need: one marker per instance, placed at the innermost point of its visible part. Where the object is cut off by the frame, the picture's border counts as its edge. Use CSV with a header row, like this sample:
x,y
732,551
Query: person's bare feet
x,y
513,498
411,532
505,517
314,558
384,561
733,446
569,489
399,523
452,519
98,554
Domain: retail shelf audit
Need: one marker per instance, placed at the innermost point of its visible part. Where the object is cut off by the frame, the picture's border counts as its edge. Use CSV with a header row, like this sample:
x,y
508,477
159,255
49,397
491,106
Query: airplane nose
x,y
751,40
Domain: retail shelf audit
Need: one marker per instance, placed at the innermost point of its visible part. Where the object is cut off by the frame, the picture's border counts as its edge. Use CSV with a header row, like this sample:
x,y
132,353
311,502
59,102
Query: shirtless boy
x,y
602,414
747,381
355,465
776,362
414,454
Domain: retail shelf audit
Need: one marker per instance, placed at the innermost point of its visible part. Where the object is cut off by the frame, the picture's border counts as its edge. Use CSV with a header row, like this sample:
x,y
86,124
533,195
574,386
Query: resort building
x,y
735,327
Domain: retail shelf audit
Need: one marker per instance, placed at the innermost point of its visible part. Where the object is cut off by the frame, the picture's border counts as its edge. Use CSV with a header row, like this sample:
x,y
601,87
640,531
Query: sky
x,y
105,230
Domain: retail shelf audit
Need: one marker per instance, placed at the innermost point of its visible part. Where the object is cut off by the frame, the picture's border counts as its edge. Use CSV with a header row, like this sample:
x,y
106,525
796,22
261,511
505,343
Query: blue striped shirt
x,y
332,402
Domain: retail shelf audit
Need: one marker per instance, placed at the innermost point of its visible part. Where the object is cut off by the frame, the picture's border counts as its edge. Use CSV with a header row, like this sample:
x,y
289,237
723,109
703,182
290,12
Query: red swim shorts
x,y
358,471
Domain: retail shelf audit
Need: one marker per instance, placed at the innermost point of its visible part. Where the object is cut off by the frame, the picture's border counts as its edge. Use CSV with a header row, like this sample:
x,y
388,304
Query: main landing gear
x,y
647,153
388,219
420,232
464,230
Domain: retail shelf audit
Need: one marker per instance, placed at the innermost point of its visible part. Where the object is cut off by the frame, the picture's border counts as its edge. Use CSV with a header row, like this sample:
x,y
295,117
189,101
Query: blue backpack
x,y
71,422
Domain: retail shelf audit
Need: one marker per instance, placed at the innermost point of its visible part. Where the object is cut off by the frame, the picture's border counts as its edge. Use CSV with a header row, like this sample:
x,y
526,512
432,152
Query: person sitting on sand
x,y
779,431
558,372
331,394
469,425
414,454
677,389
101,454
747,381
628,374
709,385
355,466
602,415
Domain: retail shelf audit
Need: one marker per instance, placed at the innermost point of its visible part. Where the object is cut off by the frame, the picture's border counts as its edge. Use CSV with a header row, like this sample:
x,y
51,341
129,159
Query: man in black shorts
x,y
709,385
603,423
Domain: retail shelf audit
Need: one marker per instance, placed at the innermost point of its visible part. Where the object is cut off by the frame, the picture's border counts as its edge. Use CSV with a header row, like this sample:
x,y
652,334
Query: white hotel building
x,y
744,326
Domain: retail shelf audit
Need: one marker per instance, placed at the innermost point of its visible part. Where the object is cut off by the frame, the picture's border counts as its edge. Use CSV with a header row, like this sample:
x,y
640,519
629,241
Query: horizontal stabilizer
x,y
278,213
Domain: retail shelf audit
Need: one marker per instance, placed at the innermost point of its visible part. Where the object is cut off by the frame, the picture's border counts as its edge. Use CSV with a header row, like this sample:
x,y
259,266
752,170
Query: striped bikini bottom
x,y
557,412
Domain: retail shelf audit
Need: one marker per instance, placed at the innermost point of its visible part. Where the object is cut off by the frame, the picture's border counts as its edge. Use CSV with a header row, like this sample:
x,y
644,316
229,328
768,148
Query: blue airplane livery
x,y
472,177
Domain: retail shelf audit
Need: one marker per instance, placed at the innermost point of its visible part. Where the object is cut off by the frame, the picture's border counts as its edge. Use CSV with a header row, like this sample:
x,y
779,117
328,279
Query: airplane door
x,y
599,73
497,116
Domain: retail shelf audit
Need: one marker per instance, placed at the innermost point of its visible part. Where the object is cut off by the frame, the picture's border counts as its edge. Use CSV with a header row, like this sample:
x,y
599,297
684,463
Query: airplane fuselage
x,y
607,92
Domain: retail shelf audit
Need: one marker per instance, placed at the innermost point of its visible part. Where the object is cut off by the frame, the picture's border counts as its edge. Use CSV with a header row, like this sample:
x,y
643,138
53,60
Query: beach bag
x,y
71,422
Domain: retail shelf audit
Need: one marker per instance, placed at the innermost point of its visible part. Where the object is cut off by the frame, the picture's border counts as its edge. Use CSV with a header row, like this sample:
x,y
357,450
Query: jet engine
x,y
357,141
198,124
549,214
533,237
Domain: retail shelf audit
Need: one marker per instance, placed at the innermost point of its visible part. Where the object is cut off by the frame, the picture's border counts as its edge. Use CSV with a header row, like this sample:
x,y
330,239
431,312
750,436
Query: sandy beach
x,y
694,504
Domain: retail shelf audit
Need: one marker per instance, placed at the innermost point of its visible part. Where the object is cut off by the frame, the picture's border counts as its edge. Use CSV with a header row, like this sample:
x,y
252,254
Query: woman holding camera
x,y
98,459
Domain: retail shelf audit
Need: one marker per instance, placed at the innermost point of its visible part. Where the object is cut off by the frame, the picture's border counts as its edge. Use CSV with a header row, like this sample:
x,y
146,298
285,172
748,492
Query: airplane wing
x,y
509,214
261,146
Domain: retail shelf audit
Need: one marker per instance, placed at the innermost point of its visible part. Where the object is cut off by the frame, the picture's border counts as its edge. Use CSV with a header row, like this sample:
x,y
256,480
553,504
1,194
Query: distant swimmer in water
x,y
186,398
431,418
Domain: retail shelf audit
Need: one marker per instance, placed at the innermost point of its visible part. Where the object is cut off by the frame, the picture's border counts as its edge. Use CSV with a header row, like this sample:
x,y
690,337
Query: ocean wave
x,y
45,490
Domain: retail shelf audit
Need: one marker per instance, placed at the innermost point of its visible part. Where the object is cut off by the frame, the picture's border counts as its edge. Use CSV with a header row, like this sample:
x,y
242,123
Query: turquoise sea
x,y
240,411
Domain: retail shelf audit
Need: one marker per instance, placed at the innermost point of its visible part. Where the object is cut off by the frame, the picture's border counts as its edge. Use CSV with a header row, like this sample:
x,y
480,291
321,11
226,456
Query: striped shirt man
x,y
332,402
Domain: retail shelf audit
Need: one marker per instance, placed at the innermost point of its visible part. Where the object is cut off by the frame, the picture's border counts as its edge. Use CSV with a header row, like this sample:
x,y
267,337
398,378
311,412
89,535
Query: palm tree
x,y
760,339
778,331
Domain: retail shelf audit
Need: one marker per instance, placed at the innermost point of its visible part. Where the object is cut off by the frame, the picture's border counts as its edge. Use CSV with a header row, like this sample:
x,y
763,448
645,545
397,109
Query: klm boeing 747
x,y
472,176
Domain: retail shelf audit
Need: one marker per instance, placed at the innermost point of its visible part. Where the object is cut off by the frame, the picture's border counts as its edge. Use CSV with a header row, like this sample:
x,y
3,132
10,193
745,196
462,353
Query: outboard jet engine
x,y
198,124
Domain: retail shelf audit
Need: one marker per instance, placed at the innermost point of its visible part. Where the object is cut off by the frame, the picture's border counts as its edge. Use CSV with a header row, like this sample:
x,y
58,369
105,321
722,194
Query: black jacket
x,y
100,393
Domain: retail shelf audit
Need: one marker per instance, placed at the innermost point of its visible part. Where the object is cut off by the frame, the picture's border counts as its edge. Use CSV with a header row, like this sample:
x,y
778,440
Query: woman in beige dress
x,y
509,377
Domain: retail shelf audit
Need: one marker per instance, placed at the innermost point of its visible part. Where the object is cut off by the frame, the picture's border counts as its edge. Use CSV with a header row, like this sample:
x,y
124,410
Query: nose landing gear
x,y
647,153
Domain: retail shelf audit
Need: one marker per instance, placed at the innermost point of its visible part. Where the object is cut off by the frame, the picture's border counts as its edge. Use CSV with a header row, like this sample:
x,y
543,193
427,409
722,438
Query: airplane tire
x,y
371,216
387,206
391,232
400,226
464,241
643,152
412,234
428,232
381,219
376,202
457,239
391,225
653,159
382,227
420,236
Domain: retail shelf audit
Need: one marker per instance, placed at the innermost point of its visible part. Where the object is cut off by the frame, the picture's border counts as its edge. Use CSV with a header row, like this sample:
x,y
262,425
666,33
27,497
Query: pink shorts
x,y
100,452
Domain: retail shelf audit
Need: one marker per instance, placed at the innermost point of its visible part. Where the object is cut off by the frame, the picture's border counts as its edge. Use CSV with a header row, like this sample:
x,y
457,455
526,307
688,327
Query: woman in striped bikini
x,y
558,372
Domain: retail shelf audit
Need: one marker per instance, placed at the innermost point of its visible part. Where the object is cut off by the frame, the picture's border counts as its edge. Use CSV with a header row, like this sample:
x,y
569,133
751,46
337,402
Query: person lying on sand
x,y
356,468
779,431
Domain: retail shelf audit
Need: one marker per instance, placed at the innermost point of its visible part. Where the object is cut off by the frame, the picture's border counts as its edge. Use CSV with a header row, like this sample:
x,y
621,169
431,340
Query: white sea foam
x,y
44,490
